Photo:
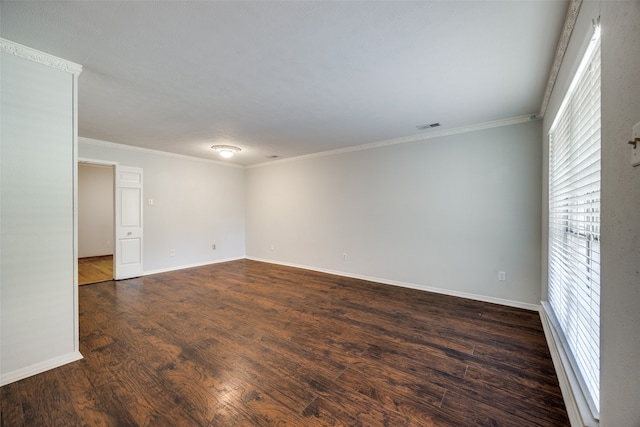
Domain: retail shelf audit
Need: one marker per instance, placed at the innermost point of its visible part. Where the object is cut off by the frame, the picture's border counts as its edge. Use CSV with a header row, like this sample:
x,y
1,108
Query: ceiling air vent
x,y
429,126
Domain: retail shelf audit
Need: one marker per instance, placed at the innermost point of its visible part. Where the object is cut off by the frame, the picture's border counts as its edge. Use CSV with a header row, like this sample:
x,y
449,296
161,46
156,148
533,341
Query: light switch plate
x,y
635,152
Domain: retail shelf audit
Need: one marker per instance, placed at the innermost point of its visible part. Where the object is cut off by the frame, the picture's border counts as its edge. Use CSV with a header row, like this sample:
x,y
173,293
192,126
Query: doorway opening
x,y
96,223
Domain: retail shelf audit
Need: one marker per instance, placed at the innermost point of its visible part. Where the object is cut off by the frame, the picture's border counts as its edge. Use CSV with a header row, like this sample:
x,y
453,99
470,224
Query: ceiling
x,y
292,78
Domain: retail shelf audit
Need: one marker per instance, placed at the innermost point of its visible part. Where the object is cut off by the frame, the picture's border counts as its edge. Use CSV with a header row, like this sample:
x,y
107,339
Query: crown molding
x,y
413,138
124,147
33,55
569,24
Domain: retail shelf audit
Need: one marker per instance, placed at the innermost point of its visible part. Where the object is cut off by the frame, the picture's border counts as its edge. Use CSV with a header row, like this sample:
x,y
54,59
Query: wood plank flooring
x,y
246,343
95,269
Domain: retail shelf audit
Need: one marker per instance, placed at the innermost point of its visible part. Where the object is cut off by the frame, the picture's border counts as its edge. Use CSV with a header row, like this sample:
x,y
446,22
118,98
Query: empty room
x,y
320,213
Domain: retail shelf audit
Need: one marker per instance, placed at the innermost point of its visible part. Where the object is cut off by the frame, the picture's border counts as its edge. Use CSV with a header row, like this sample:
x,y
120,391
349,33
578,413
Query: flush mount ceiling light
x,y
226,151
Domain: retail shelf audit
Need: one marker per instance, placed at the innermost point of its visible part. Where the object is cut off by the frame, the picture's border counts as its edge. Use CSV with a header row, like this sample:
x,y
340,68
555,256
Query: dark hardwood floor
x,y
252,344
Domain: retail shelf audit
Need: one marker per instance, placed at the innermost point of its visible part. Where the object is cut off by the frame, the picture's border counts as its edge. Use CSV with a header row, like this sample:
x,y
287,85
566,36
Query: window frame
x,y
577,235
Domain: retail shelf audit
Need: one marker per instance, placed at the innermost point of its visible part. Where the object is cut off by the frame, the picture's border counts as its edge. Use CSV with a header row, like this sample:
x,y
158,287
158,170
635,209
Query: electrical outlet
x,y
172,252
213,246
344,257
502,276
273,247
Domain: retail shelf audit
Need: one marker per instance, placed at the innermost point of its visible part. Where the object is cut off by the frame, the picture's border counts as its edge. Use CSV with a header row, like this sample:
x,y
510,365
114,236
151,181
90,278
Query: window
x,y
574,222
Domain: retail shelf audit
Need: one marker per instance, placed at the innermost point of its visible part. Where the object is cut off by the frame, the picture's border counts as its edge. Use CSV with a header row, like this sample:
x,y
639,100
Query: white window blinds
x,y
574,222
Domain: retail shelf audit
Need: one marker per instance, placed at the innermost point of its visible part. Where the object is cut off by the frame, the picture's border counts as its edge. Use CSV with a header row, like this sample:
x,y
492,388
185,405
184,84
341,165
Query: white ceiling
x,y
292,78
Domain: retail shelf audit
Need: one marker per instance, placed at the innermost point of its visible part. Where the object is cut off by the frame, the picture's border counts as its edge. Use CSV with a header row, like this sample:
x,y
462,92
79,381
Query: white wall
x,y
620,223
620,309
445,213
196,203
38,317
95,210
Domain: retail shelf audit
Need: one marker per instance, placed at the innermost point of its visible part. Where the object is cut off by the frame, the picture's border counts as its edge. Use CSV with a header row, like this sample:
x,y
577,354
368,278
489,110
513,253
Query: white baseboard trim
x,y
182,267
38,368
483,298
577,407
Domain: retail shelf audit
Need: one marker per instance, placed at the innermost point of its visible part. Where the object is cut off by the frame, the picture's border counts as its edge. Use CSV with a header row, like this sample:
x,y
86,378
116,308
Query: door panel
x,y
130,251
129,262
130,207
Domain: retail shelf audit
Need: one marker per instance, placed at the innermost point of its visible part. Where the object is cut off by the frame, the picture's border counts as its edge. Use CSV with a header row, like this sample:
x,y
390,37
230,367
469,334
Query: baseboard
x,y
182,267
575,403
483,298
39,368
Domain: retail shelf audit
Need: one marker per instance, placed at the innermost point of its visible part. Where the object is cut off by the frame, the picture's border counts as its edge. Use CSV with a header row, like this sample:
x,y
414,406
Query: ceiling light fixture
x,y
226,151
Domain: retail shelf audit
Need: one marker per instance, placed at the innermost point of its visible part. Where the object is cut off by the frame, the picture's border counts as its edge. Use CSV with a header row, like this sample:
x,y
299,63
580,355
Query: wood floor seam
x,y
340,374
442,400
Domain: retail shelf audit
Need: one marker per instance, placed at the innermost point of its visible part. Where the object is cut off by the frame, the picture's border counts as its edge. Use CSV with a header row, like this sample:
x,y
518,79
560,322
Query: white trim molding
x,y
134,148
569,23
482,298
34,55
412,138
574,400
182,267
38,368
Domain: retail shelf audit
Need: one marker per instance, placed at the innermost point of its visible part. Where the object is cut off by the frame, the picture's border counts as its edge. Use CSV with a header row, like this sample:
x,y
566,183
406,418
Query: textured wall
x,y
620,306
37,219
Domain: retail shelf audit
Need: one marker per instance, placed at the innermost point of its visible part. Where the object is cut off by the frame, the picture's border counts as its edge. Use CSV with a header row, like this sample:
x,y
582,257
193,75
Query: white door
x,y
128,230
